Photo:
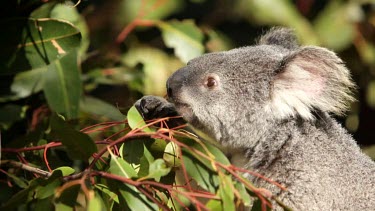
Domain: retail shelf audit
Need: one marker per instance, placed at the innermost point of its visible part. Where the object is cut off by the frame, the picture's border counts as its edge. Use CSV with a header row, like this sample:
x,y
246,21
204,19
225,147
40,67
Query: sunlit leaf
x,y
135,120
204,176
95,203
157,67
70,13
337,19
184,36
120,167
245,197
171,155
214,205
79,145
62,207
63,86
157,169
226,192
65,170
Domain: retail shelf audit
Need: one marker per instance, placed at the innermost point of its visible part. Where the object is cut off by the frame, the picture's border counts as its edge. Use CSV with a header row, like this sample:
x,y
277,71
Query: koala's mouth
x,y
185,111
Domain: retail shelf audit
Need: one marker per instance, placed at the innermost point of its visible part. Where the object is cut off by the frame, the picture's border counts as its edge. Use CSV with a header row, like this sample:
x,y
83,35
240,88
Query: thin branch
x,y
26,167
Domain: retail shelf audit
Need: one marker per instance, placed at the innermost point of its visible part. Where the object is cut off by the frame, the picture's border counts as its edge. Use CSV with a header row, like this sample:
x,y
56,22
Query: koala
x,y
269,107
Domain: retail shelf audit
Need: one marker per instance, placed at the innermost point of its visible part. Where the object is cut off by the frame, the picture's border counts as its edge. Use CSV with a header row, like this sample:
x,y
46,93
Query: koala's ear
x,y
311,78
283,37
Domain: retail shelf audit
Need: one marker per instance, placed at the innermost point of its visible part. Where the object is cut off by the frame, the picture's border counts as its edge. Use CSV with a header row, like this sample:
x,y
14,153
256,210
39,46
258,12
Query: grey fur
x,y
269,110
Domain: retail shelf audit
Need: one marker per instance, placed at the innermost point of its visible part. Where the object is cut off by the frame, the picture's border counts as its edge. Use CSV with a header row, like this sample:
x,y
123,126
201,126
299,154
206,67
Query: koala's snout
x,y
175,82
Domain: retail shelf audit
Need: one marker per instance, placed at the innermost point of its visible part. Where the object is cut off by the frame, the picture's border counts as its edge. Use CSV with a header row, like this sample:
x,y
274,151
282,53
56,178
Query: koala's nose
x,y
169,90
175,82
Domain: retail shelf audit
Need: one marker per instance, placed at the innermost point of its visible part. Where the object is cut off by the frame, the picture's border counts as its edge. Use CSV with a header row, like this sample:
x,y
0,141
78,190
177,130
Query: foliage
x,y
58,56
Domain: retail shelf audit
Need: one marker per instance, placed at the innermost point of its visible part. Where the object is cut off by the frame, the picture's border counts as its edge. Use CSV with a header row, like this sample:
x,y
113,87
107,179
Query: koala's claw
x,y
153,107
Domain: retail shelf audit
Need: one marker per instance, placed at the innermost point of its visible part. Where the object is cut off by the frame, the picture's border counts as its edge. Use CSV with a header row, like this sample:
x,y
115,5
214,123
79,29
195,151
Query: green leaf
x,y
184,36
44,204
214,204
171,155
42,192
145,162
111,195
157,67
65,170
152,9
25,84
337,19
95,204
62,207
204,176
226,192
20,182
120,167
135,120
132,151
98,107
280,12
135,200
79,145
63,86
245,196
158,169
217,41
69,12
29,43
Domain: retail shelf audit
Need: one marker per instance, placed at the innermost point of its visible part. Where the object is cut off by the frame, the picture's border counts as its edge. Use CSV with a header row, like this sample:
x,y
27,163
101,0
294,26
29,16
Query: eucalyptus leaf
x,y
145,162
95,203
184,36
120,167
65,170
135,120
42,192
79,145
97,107
158,169
335,20
152,9
63,86
33,43
157,67
226,192
136,200
204,176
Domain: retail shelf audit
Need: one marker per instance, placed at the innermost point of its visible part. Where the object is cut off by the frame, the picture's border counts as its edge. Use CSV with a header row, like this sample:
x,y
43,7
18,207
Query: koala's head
x,y
275,79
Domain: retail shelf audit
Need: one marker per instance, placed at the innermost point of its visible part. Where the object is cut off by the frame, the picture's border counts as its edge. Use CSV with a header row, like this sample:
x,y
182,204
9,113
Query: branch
x,y
26,167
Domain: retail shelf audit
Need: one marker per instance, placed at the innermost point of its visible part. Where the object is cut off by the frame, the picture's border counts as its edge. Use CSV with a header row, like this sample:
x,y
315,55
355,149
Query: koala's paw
x,y
153,107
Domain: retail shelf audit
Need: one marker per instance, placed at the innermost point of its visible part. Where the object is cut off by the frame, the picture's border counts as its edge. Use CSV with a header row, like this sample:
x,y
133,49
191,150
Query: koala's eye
x,y
211,82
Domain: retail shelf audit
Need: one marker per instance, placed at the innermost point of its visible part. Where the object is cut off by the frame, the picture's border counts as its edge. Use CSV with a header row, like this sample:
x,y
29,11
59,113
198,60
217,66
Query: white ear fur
x,y
311,78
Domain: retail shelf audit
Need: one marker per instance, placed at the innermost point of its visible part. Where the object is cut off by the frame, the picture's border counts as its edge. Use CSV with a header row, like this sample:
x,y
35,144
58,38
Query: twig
x,y
26,167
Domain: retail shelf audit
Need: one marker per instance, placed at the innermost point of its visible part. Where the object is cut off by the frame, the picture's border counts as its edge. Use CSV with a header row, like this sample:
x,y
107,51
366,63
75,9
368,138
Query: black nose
x,y
176,82
169,90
